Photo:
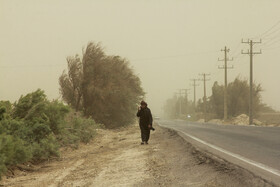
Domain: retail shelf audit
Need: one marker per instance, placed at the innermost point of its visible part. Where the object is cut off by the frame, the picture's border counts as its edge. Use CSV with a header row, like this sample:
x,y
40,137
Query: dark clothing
x,y
145,133
145,120
146,117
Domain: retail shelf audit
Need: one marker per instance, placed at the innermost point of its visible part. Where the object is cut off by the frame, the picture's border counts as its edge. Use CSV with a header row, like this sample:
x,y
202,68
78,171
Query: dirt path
x,y
115,158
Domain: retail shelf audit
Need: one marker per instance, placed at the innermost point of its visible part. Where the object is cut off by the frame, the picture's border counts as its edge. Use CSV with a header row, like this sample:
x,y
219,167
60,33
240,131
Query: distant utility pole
x,y
186,98
226,67
194,91
204,98
185,92
251,53
180,101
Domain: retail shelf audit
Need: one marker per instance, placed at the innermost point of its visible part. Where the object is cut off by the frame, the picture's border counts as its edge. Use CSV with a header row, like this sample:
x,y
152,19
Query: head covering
x,y
143,103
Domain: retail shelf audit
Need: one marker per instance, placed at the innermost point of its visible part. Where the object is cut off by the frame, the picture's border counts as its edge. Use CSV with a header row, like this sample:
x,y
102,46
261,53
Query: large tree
x,y
71,83
103,87
238,98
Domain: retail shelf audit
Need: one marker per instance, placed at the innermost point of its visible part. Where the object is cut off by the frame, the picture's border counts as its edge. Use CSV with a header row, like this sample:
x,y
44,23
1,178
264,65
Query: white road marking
x,y
256,164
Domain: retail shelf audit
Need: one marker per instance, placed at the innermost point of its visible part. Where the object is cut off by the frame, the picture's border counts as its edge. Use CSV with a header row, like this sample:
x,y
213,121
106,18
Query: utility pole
x,y
186,99
185,92
251,53
225,67
204,98
180,101
194,91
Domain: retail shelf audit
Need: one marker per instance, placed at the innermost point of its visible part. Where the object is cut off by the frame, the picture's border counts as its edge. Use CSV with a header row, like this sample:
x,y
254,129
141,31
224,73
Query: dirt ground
x,y
116,158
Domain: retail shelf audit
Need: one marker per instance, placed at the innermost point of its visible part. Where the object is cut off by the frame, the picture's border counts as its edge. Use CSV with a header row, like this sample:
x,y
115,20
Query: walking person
x,y
145,122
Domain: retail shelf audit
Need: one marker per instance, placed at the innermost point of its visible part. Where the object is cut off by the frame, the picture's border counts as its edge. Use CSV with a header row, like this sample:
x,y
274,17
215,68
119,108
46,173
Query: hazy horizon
x,y
167,42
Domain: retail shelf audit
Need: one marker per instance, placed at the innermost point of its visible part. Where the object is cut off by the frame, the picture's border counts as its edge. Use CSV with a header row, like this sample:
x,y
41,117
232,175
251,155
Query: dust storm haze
x,y
168,42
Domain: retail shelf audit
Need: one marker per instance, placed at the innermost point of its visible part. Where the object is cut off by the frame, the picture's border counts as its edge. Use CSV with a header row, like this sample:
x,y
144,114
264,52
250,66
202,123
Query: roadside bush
x,y
35,107
45,148
2,165
38,132
56,112
27,102
15,128
34,128
12,151
5,109
2,112
78,129
85,128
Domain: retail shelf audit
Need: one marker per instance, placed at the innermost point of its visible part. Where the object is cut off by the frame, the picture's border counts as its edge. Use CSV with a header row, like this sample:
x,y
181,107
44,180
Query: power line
x,y
271,42
239,56
235,49
274,37
271,48
277,30
174,56
266,33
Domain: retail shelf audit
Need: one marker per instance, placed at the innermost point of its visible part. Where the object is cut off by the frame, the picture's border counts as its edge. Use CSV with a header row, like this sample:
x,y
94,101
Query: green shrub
x,y
41,110
83,128
78,129
12,151
2,112
16,128
34,128
39,131
5,109
45,148
2,164
25,103
56,112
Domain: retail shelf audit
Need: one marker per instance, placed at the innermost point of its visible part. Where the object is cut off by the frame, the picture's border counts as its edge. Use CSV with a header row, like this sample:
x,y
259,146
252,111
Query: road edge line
x,y
254,163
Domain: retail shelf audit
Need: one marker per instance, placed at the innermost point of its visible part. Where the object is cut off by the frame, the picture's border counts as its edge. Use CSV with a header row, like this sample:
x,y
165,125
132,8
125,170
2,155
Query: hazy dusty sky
x,y
167,42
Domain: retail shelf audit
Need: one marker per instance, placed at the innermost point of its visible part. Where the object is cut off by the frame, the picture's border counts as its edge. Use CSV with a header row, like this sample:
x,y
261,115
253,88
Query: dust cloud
x,y
167,42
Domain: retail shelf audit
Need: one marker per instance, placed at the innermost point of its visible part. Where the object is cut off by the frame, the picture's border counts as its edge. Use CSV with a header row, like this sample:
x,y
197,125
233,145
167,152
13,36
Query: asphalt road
x,y
255,148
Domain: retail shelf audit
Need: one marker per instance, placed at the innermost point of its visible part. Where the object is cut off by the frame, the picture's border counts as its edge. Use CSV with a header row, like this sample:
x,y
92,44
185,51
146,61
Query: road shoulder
x,y
116,158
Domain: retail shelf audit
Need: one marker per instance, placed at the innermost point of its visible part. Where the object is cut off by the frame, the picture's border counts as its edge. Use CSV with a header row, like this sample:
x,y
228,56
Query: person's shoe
x,y
146,143
142,143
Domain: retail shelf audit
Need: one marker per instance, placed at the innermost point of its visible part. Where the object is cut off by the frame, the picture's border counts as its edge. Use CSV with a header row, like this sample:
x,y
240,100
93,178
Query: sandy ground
x,y
116,158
